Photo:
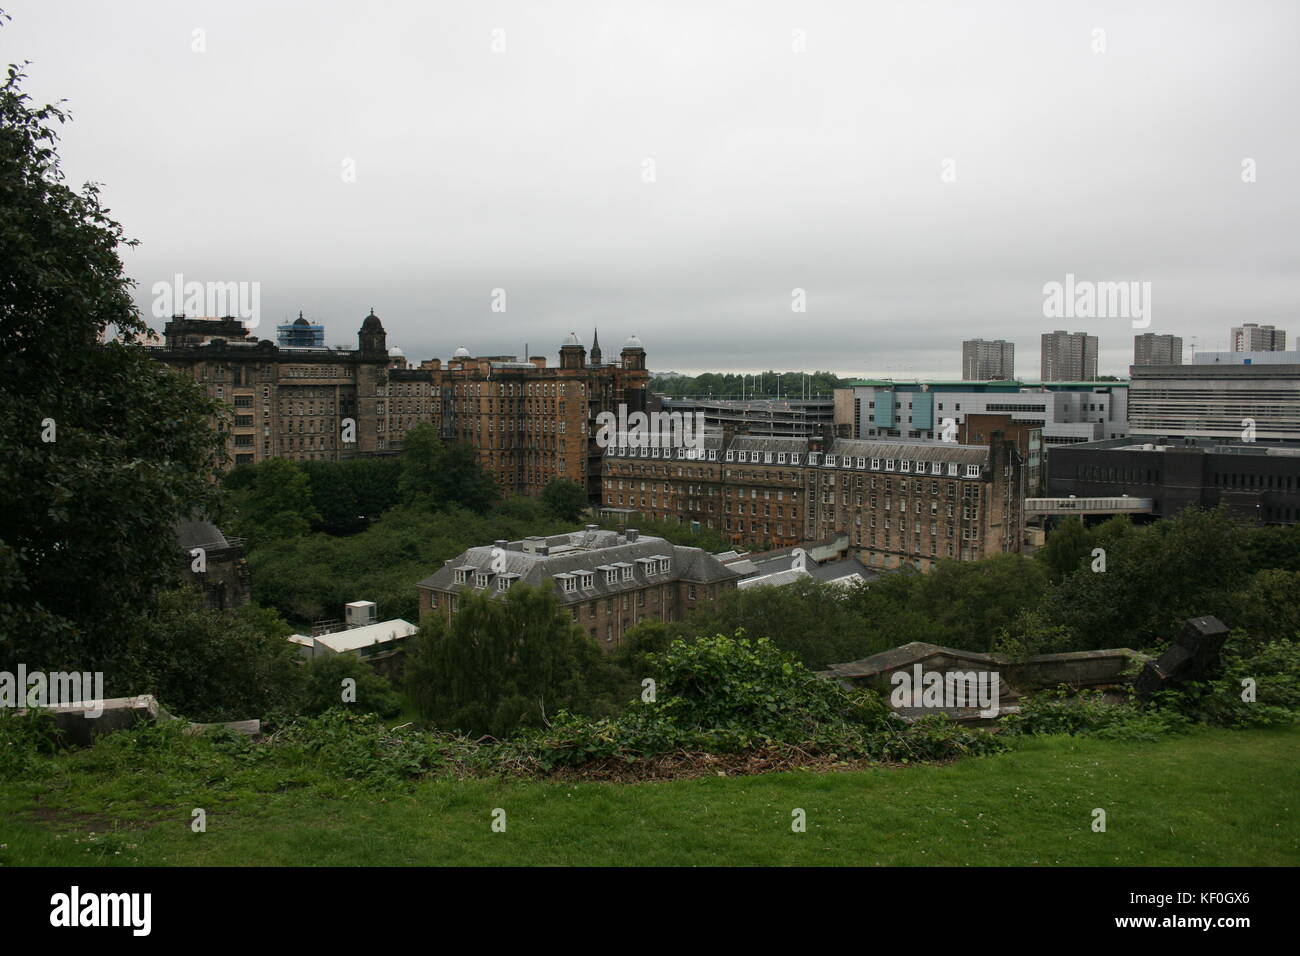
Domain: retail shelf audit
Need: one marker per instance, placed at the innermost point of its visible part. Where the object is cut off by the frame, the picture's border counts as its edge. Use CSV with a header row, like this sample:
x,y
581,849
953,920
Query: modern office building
x,y
530,422
1065,411
1253,337
1152,349
981,360
1216,401
1256,480
607,581
1068,357
300,334
898,502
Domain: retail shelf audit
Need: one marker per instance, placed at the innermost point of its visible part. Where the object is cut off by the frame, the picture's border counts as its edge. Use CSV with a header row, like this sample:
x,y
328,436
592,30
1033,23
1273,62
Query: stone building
x,y
608,582
530,423
961,501
214,565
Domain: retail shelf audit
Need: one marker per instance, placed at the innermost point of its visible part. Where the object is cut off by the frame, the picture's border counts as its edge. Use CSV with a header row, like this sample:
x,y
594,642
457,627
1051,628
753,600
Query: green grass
x,y
1213,797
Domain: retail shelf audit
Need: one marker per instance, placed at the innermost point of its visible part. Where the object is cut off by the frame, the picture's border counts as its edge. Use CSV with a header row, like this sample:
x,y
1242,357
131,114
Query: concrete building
x,y
784,417
608,582
1065,411
1216,401
1256,480
988,360
1246,358
359,633
1253,337
1068,357
1152,349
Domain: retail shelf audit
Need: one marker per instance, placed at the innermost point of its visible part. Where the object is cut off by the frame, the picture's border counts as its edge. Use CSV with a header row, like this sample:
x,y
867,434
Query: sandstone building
x,y
530,422
608,582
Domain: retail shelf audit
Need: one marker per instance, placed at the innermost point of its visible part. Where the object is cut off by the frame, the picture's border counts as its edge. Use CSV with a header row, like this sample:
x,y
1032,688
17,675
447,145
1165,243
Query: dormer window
x,y
830,461
588,580
713,454
972,471
730,456
744,456
611,575
460,576
664,565
480,579
862,463
889,464
952,469
780,458
794,459
904,465
503,584
875,464
627,572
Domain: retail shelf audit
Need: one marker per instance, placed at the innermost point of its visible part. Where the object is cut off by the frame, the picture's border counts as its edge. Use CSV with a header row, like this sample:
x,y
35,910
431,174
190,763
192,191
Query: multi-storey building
x,y
608,582
529,422
1152,349
1258,480
1253,337
747,487
981,360
301,403
1068,357
1216,401
777,492
916,503
778,417
1067,412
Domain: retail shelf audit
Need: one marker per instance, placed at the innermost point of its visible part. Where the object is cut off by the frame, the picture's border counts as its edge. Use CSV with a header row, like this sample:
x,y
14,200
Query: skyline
x,y
823,170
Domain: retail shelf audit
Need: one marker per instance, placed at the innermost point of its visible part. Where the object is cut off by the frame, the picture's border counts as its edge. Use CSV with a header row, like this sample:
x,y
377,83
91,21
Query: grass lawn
x,y
1214,797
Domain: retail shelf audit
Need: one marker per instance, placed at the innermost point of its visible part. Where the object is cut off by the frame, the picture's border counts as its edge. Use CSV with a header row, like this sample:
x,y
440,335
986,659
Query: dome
x,y
300,320
461,352
572,340
371,323
395,351
633,343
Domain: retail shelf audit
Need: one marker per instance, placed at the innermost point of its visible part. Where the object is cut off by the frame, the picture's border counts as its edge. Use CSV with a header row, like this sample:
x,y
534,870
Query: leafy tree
x,y
208,665
501,664
277,504
102,449
1067,549
435,475
566,500
323,687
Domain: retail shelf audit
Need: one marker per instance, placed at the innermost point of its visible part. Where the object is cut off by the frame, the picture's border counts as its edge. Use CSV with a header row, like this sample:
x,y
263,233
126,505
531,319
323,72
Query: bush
x,y
323,687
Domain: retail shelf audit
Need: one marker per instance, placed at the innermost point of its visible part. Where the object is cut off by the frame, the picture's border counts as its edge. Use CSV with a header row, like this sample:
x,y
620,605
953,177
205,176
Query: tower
x,y
595,347
572,354
372,337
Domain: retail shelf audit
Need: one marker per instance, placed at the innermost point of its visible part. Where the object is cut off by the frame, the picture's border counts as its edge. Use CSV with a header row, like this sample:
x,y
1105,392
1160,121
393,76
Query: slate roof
x,y
911,451
589,551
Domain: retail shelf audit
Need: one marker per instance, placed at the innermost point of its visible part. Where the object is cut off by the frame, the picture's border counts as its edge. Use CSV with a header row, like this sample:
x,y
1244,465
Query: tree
x,y
1067,548
435,475
324,688
277,504
208,665
502,663
565,499
102,449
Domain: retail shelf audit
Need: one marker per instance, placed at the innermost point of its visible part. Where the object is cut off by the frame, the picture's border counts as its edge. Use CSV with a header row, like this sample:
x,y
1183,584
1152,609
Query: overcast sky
x,y
794,146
